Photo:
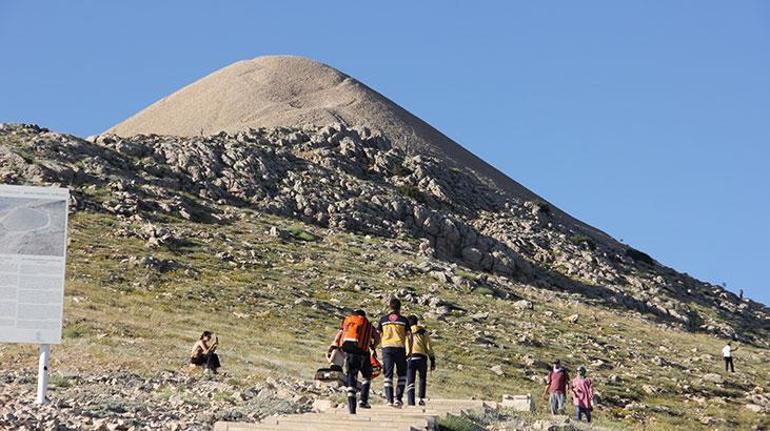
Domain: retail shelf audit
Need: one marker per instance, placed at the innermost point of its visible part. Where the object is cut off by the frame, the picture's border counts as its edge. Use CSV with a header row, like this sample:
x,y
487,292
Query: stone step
x,y
351,419
314,426
380,417
395,412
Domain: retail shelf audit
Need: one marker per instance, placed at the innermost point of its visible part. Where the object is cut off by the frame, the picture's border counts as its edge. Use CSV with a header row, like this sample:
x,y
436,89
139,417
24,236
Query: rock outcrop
x,y
354,179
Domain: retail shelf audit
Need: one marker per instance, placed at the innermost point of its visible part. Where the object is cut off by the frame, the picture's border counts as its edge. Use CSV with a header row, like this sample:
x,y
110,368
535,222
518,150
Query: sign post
x,y
33,244
42,374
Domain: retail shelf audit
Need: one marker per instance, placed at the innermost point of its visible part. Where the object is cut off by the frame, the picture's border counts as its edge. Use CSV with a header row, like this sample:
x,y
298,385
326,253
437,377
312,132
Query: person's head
x,y
582,371
729,343
360,312
395,305
413,320
206,335
557,363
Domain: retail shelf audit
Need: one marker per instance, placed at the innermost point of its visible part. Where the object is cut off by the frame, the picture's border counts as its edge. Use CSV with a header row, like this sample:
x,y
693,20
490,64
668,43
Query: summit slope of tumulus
x,y
293,91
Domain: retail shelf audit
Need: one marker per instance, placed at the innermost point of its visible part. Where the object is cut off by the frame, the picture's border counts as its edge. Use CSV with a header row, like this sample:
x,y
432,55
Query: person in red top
x,y
556,388
583,394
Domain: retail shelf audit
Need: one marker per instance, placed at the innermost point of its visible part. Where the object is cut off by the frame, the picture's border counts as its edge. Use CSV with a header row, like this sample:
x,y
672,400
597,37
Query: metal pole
x,y
42,374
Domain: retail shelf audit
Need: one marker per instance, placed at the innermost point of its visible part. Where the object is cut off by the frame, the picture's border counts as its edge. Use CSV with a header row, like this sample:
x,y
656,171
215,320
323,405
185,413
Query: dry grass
x,y
275,318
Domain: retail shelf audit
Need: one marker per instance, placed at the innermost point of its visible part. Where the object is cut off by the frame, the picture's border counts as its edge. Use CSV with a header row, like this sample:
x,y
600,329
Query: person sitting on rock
x,y
203,353
556,387
419,349
583,395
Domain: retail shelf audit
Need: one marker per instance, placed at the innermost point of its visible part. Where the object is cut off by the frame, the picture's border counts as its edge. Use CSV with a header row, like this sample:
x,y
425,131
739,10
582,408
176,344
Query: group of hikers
x,y
407,353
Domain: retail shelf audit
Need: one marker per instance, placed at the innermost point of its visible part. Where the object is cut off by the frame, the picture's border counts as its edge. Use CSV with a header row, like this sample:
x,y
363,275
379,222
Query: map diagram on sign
x,y
32,226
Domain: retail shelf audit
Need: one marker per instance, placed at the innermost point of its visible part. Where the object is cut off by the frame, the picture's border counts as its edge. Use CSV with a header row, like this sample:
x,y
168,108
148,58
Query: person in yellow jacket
x,y
419,350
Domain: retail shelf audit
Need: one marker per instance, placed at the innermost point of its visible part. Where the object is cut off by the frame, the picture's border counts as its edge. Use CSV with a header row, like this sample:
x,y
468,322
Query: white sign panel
x,y
33,243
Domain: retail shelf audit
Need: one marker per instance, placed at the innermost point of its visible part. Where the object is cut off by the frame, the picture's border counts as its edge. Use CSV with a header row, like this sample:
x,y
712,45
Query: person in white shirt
x,y
727,353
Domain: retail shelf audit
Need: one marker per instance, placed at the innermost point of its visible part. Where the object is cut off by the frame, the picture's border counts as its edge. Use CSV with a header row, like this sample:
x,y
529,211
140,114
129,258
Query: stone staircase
x,y
378,418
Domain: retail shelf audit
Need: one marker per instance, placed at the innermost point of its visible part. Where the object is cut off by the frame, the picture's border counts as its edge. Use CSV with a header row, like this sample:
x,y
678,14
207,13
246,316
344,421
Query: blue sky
x,y
649,120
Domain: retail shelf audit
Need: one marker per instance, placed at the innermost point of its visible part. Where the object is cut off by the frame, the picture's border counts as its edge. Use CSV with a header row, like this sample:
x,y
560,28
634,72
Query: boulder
x,y
519,403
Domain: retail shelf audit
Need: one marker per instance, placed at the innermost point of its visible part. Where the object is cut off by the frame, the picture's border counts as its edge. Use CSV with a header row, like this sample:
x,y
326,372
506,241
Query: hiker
x,y
556,387
419,350
203,353
394,331
583,395
356,337
727,353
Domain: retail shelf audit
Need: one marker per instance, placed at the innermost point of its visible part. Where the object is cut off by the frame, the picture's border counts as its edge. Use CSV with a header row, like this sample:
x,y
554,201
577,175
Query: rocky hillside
x,y
240,231
353,180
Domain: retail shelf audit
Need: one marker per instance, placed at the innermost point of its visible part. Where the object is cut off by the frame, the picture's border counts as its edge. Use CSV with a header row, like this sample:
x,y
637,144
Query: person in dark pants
x,y
394,331
419,350
583,395
727,353
203,353
356,337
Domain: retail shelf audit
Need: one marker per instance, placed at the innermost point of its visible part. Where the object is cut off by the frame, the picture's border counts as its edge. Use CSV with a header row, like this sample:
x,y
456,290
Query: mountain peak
x,y
292,91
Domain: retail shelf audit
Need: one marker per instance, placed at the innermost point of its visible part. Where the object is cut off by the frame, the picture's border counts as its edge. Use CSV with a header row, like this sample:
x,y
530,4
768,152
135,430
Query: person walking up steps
x,y
394,331
356,337
583,395
556,387
727,353
419,349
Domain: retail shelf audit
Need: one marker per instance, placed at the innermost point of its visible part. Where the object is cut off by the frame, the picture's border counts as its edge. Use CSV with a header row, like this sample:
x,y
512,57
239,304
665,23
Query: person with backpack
x,y
356,337
556,387
419,349
394,331
583,395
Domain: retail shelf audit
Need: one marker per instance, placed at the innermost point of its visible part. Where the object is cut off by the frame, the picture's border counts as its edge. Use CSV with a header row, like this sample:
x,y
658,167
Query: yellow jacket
x,y
419,343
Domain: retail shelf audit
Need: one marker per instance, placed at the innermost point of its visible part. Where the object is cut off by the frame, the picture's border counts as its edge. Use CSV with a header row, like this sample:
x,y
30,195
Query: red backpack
x,y
356,334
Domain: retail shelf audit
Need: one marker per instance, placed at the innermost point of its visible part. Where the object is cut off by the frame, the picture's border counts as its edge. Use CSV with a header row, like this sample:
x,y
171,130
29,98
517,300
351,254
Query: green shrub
x,y
584,240
412,192
59,381
457,423
74,331
485,291
301,234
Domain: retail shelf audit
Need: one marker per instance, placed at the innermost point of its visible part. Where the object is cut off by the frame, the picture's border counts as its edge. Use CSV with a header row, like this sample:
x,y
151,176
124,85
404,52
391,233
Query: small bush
x,y
412,192
584,240
74,331
59,381
485,291
457,423
301,234
640,256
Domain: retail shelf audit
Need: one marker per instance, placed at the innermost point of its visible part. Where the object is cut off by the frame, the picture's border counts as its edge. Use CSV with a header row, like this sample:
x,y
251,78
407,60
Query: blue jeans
x,y
579,411
557,400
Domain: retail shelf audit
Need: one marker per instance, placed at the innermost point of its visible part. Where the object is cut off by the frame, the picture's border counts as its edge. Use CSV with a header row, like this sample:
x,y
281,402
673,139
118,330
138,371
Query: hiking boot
x,y
398,404
364,406
421,402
